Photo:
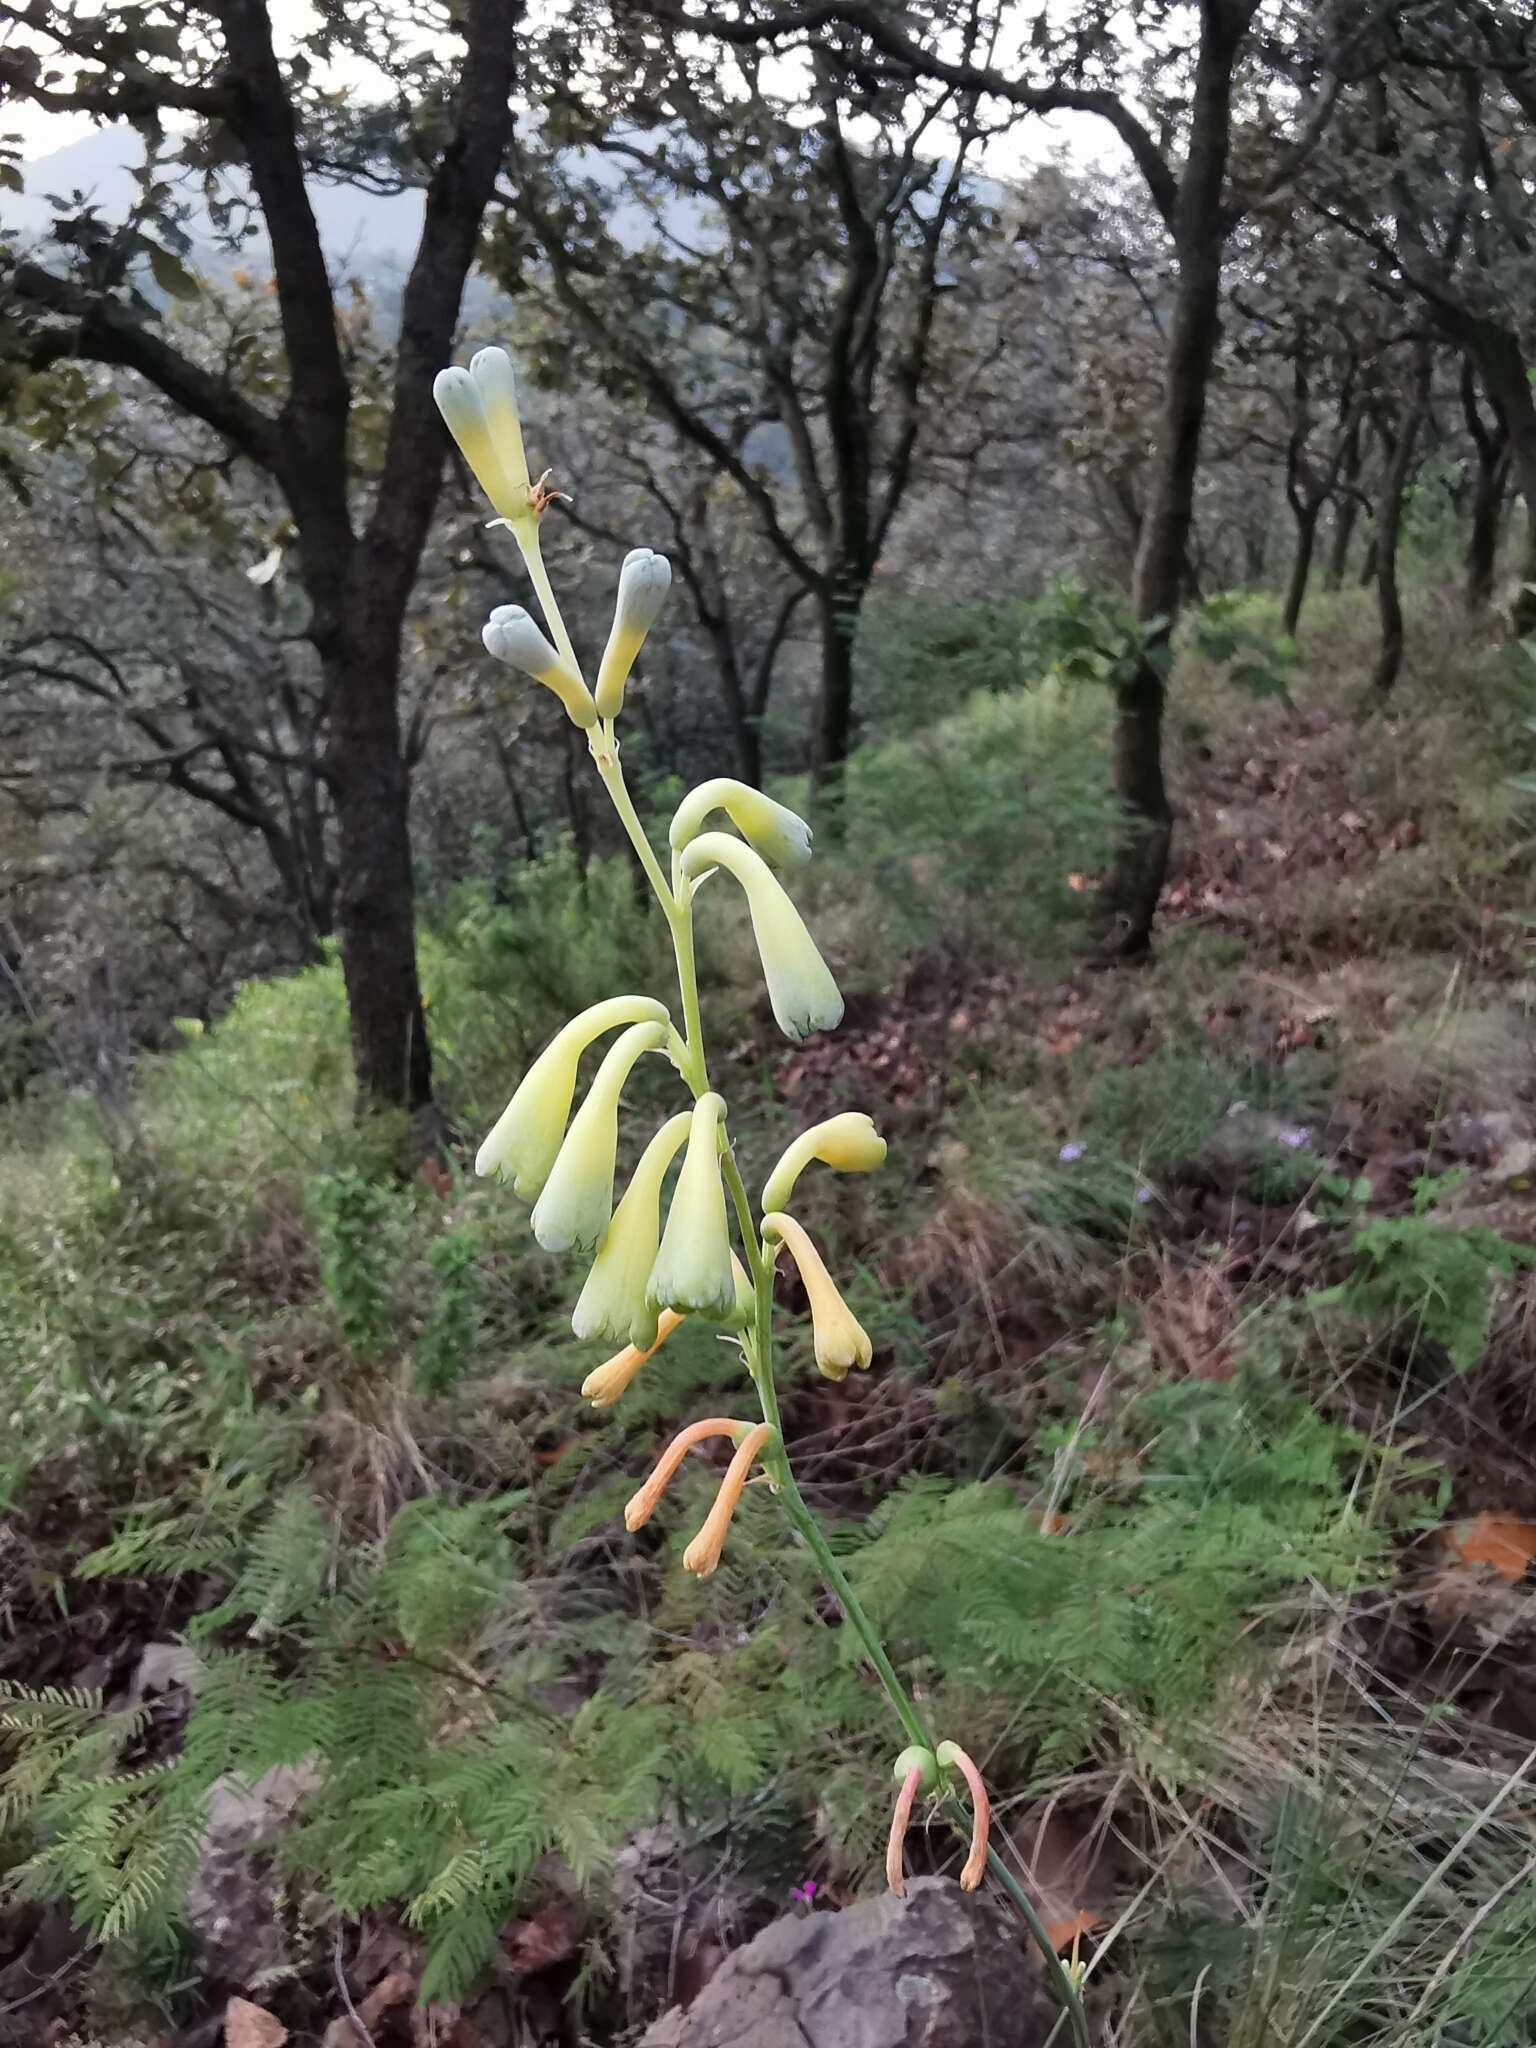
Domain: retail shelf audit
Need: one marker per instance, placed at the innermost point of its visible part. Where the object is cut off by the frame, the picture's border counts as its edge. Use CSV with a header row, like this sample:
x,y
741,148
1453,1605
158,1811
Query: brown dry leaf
x,y
1497,1540
251,2026
1062,1933
550,1936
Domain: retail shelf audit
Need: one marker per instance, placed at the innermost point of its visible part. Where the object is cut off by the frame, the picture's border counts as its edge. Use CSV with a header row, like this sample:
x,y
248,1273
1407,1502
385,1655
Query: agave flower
x,y
644,581
848,1143
604,1384
577,1200
772,828
838,1338
750,1439
950,1756
613,1302
512,636
479,406
692,1270
803,994
526,1137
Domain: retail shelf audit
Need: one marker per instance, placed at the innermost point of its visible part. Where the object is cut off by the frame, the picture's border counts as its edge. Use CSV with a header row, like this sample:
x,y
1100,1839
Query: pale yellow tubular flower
x,y
838,1338
952,1757
479,407
777,833
604,1384
803,994
511,635
745,1310
642,1505
703,1553
693,1265
526,1136
573,1211
848,1144
613,1301
644,581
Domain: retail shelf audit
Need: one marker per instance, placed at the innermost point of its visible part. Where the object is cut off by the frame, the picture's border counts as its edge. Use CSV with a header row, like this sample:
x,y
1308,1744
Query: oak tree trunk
x,y
1301,564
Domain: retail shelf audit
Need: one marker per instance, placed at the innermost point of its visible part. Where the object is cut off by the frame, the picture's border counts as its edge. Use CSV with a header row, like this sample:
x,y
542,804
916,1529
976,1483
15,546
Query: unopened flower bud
x,y
479,406
526,1137
606,1382
775,831
848,1143
644,581
642,1505
703,1553
950,1756
804,996
838,1338
513,637
577,1200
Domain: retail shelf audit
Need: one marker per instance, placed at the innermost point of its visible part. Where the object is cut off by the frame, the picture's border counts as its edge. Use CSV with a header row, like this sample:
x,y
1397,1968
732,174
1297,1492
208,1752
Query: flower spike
x,y
839,1339
574,1209
773,829
951,1756
511,635
642,1505
693,1266
606,1382
804,996
703,1553
915,1770
644,581
848,1144
613,1302
526,1137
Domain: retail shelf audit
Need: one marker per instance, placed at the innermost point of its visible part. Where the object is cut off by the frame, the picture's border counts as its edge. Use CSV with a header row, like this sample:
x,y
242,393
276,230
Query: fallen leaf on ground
x,y
251,2026
1496,1540
1062,1933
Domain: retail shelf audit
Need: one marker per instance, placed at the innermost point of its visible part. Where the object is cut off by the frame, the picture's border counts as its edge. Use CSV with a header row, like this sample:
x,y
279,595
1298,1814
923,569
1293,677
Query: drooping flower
x,y
606,1382
644,581
915,1770
804,996
848,1144
525,1138
692,1270
613,1302
511,635
703,1553
838,1338
776,832
479,406
573,1210
950,1756
642,1505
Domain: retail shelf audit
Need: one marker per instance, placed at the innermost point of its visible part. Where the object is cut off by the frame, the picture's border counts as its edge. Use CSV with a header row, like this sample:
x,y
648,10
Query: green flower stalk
x,y
645,1278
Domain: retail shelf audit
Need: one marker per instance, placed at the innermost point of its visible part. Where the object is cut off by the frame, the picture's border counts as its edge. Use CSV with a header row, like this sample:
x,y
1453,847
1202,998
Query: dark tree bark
x,y
1491,446
1135,882
1346,510
1301,564
358,583
1389,524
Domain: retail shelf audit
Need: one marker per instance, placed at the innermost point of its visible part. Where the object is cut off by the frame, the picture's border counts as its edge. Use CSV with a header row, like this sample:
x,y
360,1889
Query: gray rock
x,y
232,1901
940,1969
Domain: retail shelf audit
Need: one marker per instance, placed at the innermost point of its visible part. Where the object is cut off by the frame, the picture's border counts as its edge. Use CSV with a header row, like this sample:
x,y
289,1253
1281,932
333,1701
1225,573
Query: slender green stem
x,y
758,1342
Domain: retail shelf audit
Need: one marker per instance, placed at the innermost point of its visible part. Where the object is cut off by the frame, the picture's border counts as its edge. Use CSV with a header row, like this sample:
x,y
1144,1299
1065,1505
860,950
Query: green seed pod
x,y
917,1759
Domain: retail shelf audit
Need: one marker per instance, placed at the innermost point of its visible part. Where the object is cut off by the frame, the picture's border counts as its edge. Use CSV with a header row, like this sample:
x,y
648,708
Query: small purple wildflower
x,y
805,1892
1295,1138
1070,1152
1143,1194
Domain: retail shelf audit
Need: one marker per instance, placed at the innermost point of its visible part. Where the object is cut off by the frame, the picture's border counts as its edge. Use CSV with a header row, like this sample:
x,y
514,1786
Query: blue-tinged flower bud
x,y
778,834
573,1211
513,637
522,1146
613,1302
480,408
803,994
848,1143
644,581
693,1266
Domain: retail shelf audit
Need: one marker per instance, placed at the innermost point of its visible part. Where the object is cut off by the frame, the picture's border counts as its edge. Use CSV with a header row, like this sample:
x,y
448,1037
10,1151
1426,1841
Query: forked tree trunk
x,y
1135,881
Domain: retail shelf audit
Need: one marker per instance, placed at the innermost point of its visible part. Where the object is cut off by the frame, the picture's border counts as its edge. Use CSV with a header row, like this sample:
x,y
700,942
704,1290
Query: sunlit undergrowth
x,y
322,1422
